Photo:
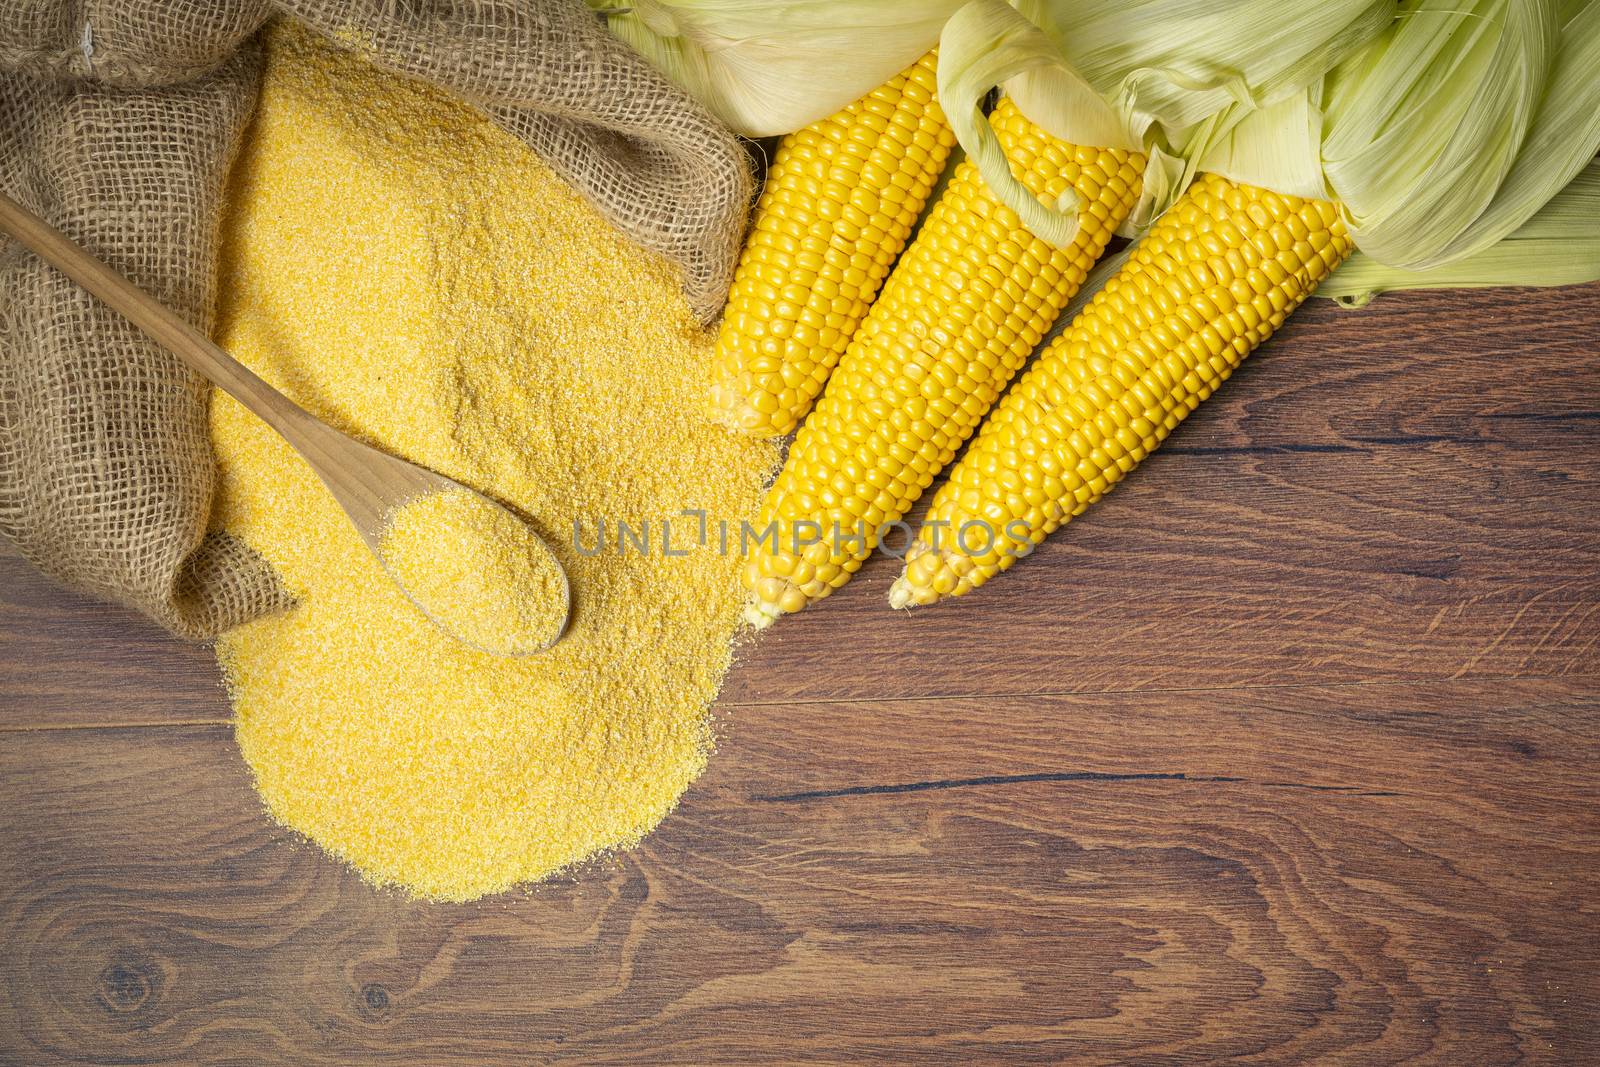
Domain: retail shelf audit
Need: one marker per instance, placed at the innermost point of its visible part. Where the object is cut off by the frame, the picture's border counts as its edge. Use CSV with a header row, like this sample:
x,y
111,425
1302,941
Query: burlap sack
x,y
118,122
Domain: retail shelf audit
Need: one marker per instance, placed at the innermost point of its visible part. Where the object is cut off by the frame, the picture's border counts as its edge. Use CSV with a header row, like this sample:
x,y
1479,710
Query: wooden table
x,y
1288,750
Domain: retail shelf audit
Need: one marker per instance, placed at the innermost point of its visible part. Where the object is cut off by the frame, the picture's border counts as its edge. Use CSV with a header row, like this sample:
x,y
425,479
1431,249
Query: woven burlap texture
x,y
118,122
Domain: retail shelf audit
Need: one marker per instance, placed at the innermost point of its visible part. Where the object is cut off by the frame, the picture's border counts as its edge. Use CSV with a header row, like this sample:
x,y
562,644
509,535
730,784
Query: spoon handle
x,y
366,482
153,317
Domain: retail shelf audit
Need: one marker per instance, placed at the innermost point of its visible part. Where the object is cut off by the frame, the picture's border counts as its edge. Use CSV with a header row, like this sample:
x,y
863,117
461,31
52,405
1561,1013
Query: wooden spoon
x,y
370,485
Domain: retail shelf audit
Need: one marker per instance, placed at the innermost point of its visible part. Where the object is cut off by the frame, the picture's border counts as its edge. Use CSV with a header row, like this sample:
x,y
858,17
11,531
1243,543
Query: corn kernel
x,y
1213,278
858,205
413,274
926,365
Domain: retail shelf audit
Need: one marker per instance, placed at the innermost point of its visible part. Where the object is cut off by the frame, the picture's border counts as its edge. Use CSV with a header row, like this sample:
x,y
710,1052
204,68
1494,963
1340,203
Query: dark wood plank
x,y
1361,873
69,660
1407,492
1411,491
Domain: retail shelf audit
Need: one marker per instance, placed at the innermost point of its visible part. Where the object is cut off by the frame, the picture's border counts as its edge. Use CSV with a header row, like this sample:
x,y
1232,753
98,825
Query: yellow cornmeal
x,y
477,570
416,277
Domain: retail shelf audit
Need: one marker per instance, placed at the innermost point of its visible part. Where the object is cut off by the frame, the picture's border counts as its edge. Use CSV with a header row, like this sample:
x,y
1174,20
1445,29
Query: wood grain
x,y
1286,752
1411,491
1407,492
67,660
1374,872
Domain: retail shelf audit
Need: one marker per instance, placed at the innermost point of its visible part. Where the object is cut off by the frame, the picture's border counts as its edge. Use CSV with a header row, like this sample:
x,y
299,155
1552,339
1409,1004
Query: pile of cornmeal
x,y
415,276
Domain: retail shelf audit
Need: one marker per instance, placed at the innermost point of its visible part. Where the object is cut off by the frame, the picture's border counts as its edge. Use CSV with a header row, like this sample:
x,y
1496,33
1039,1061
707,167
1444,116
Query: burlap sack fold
x,y
118,122
106,469
656,163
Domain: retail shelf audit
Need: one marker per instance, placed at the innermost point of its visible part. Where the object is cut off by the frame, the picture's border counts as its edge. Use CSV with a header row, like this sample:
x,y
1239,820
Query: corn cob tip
x,y
786,592
770,598
900,595
760,615
762,611
929,576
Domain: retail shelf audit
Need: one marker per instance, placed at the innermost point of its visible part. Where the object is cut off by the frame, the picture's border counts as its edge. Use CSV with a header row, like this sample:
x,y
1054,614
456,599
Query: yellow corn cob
x,y
839,202
1214,277
964,309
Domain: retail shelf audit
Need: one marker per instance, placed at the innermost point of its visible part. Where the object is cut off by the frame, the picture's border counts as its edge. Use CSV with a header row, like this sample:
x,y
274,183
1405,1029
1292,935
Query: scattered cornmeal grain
x,y
478,571
415,276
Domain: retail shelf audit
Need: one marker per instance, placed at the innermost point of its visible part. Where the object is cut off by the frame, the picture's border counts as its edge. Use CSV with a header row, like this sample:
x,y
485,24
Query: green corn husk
x,y
1445,127
1167,77
1460,123
773,66
1559,245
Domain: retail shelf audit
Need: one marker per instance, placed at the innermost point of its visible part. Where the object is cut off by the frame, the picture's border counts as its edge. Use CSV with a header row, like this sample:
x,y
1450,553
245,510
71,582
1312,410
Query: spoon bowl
x,y
370,485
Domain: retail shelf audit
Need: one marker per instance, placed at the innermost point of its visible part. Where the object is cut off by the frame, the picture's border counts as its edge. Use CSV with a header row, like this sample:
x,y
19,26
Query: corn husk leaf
x,y
1444,136
983,44
1420,130
1169,77
1560,245
770,67
1275,147
1561,143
